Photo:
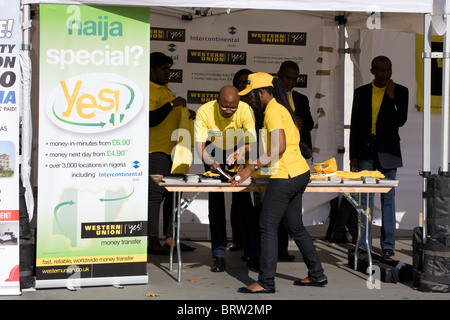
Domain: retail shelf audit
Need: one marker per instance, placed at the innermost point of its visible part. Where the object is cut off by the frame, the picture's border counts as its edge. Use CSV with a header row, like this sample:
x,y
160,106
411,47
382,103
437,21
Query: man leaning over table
x,y
221,127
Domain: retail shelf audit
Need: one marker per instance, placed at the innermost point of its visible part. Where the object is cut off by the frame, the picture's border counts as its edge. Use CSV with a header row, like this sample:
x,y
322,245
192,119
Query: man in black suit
x,y
288,74
379,109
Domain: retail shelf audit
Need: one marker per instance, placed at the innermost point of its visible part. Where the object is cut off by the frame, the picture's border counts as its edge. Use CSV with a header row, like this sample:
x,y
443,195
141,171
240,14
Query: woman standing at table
x,y
289,176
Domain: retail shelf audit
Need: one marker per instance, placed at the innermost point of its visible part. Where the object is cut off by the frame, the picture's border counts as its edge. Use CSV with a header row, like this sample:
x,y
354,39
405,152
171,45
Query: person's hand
x,y
390,89
299,121
237,156
179,101
242,174
213,167
354,165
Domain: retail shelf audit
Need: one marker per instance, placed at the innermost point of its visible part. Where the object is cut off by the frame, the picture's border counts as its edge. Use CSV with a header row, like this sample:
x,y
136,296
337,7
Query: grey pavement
x,y
200,284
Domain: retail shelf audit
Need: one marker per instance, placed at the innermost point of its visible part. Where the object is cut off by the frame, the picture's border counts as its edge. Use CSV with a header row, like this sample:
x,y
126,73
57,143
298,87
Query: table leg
x,y
174,207
355,256
368,220
178,234
361,211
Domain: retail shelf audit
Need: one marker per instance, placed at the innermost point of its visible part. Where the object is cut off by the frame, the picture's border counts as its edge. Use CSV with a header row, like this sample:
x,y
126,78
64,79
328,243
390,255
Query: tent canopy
x,y
401,6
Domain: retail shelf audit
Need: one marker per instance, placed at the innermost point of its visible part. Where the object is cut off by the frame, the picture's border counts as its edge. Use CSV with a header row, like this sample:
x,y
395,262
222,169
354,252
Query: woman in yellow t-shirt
x,y
289,176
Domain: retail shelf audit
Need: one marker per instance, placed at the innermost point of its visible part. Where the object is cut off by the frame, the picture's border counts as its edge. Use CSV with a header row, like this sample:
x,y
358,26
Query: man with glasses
x,y
222,127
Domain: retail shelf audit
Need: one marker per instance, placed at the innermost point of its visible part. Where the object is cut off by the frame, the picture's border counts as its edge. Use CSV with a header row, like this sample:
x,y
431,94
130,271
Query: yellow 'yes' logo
x,y
94,102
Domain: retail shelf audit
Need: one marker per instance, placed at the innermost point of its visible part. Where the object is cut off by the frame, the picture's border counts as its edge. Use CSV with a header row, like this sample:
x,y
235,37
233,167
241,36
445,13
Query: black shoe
x,y
246,290
388,252
285,256
235,247
307,282
253,262
219,265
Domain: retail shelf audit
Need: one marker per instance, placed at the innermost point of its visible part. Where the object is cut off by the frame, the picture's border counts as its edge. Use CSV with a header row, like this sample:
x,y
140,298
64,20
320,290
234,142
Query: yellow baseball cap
x,y
257,80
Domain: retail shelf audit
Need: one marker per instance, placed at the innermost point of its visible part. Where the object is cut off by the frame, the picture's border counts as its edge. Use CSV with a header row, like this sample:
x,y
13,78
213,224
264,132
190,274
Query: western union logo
x,y
112,229
277,38
201,97
168,34
218,57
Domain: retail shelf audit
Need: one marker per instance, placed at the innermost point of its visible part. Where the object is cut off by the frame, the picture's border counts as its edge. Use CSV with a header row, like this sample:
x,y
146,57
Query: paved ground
x,y
199,284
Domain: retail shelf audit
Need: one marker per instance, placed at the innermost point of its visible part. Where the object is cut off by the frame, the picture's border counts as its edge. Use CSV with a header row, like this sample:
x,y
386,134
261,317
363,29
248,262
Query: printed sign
x,y
9,147
93,138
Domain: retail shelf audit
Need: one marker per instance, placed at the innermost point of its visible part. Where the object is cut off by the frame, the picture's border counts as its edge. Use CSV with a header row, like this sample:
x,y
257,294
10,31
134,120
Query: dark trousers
x,y
241,207
159,163
283,201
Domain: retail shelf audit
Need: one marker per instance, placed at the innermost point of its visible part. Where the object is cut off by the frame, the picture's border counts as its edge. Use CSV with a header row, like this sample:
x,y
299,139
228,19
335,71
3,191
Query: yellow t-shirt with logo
x,y
224,133
377,99
160,136
291,163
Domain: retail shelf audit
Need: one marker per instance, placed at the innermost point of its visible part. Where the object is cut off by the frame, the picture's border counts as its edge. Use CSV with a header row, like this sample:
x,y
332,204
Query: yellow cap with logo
x,y
257,80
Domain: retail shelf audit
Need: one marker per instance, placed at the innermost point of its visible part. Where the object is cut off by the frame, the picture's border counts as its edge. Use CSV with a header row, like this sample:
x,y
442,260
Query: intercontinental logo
x,y
218,39
232,30
172,47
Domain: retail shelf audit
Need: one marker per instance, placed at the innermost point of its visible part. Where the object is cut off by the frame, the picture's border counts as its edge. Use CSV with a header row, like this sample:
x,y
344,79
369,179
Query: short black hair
x,y
380,59
239,74
288,64
157,59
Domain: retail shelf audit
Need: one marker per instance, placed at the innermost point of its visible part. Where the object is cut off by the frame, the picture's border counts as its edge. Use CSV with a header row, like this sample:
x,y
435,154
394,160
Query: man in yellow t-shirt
x,y
289,176
222,126
165,112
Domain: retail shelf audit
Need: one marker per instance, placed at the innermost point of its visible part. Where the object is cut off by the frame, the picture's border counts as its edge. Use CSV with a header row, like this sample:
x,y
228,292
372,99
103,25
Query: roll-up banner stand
x,y
9,147
93,146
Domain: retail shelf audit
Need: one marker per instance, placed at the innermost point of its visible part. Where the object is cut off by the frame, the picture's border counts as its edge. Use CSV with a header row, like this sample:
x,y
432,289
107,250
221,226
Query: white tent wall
x,y
408,193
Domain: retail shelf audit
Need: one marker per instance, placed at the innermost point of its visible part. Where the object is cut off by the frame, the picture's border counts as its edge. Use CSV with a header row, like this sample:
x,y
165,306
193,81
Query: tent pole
x,y
426,149
341,19
445,98
26,121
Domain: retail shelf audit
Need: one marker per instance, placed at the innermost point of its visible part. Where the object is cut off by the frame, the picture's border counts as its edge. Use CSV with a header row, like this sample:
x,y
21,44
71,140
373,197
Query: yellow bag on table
x,y
182,153
330,166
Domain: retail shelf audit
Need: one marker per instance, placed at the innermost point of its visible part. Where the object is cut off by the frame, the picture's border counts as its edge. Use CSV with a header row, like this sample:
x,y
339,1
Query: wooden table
x,y
346,187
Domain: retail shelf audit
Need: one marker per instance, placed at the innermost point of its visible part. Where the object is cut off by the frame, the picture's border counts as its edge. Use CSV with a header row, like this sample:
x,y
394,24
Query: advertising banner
x,y
93,146
9,146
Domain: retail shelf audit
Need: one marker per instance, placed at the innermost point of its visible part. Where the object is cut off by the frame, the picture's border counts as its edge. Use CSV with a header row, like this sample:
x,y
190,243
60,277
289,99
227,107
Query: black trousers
x,y
283,201
159,163
241,207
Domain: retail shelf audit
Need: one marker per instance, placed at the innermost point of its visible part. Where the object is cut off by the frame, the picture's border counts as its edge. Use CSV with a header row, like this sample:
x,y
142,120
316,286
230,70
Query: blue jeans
x,y
388,221
283,199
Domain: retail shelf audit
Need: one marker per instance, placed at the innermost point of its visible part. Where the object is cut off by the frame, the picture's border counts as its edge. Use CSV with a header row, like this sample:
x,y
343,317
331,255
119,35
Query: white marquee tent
x,y
419,16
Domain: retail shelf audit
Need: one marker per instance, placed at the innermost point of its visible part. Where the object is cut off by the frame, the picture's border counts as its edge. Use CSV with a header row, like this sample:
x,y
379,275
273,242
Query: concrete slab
x,y
200,284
